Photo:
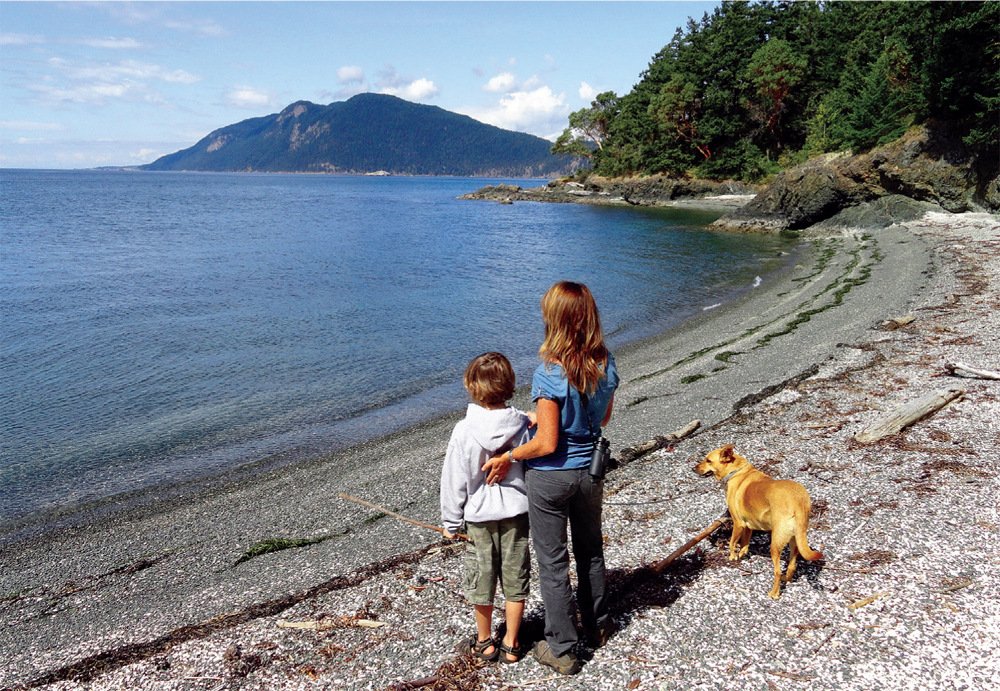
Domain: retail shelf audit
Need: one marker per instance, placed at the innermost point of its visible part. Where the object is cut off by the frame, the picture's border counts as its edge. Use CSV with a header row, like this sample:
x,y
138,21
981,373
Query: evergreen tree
x,y
755,83
774,70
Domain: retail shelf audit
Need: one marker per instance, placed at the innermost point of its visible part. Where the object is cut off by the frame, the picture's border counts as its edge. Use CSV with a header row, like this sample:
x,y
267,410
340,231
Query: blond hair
x,y
489,379
573,336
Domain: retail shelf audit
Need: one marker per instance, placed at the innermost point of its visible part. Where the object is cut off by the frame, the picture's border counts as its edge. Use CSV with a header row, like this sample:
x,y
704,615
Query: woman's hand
x,y
542,444
496,468
447,535
532,418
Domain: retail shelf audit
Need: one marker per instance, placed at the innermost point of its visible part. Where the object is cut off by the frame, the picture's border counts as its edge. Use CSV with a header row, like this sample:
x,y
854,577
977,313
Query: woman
x,y
573,390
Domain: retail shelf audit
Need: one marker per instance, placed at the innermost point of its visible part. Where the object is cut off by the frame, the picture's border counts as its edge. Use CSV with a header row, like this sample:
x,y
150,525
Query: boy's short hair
x,y
489,379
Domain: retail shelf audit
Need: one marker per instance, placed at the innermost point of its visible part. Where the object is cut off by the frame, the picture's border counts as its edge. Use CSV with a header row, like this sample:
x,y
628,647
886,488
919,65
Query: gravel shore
x,y
908,596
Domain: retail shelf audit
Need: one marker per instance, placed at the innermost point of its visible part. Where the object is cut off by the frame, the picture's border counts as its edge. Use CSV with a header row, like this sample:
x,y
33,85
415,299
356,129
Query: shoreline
x,y
367,427
84,591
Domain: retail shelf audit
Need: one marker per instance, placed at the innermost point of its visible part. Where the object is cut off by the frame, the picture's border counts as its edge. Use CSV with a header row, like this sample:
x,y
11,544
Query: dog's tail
x,y
803,545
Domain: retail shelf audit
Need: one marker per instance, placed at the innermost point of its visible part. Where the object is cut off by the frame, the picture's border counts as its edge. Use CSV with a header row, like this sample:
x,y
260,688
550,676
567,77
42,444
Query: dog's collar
x,y
729,477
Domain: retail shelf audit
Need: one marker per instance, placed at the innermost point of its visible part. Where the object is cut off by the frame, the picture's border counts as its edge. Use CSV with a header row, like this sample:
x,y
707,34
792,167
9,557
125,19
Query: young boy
x,y
496,515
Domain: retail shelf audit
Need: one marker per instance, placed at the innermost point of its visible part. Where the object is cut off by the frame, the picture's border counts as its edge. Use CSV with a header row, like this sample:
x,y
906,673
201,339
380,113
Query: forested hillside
x,y
756,87
365,134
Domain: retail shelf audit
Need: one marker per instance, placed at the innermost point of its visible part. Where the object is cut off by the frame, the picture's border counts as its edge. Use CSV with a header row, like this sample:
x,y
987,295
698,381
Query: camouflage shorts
x,y
499,551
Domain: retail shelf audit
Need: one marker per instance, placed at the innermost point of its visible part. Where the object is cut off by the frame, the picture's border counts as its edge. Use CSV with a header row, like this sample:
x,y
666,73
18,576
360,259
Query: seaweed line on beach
x,y
94,666
841,284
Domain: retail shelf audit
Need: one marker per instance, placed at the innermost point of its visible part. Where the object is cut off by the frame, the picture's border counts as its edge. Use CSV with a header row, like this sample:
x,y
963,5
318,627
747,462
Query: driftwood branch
x,y
348,497
718,523
633,452
981,373
867,601
330,623
908,413
899,322
416,684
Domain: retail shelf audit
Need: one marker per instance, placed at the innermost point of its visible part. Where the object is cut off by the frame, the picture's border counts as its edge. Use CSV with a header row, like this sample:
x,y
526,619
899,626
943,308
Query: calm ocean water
x,y
158,328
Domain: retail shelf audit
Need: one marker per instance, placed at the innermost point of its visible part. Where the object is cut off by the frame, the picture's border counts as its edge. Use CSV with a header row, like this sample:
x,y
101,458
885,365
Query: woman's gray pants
x,y
556,497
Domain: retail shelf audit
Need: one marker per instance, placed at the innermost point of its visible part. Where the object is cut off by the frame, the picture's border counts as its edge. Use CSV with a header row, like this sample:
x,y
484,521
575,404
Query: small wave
x,y
711,307
757,281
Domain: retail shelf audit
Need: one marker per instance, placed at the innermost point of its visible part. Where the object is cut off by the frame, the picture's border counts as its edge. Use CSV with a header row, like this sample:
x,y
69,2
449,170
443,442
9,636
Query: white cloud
x,y
539,112
94,94
9,39
123,69
501,84
392,83
249,97
97,83
350,74
143,155
167,15
587,92
30,126
417,90
111,42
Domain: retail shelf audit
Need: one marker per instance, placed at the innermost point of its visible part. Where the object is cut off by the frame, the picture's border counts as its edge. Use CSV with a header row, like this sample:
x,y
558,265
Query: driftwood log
x,y
631,453
981,373
718,523
905,415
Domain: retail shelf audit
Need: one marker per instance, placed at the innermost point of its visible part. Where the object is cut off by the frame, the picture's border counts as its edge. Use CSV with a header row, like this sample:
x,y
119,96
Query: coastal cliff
x,y
926,170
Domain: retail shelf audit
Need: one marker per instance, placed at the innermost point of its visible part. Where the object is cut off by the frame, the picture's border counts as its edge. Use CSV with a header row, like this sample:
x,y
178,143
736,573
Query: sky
x,y
88,84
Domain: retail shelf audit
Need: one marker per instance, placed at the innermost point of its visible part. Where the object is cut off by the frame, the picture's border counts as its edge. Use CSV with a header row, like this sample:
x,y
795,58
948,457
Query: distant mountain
x,y
366,134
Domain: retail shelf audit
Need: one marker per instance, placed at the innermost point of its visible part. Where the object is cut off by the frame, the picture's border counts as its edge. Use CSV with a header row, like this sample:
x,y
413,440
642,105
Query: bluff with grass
x,y
366,134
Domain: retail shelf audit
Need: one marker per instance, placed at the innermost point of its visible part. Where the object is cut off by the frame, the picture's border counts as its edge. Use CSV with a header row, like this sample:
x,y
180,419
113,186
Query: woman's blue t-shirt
x,y
576,439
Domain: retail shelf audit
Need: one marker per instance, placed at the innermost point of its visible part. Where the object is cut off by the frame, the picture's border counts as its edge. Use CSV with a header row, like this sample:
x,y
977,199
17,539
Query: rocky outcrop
x,y
655,190
928,167
660,190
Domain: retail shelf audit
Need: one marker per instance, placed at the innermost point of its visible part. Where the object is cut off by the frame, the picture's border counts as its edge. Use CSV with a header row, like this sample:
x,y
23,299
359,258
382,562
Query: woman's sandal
x,y
517,651
475,648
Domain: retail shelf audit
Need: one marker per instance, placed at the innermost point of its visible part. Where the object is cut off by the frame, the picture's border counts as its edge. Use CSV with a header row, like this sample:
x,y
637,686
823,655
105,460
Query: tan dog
x,y
757,502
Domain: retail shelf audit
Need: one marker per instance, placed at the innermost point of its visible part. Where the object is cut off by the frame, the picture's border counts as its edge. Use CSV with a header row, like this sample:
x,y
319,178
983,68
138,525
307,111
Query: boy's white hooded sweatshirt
x,y
465,496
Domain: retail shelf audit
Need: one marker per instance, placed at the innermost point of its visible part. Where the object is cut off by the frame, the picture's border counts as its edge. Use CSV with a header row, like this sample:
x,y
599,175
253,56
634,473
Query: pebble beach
x,y
167,595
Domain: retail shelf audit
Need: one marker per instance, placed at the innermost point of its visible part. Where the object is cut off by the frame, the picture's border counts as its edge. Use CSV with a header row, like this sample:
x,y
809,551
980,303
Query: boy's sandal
x,y
517,651
475,647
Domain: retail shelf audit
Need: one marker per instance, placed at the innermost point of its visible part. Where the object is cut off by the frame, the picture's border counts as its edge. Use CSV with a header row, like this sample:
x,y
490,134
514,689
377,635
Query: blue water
x,y
163,327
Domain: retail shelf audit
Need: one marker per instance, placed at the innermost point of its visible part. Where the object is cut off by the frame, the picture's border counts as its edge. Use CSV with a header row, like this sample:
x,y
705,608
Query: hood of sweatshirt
x,y
493,429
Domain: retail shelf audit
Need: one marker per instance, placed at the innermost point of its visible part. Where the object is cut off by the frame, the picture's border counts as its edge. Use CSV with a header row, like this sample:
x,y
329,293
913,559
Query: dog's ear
x,y
728,455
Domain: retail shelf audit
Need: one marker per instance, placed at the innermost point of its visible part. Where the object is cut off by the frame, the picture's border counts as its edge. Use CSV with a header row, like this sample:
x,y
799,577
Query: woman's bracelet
x,y
511,454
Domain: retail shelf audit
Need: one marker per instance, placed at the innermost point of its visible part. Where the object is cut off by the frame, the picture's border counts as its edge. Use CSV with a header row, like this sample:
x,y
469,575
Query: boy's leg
x,y
481,574
515,574
484,625
515,613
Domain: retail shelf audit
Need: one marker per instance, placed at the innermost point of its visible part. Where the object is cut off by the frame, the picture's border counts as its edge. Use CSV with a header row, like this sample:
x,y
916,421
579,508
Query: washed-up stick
x,y
719,522
981,373
633,452
348,497
416,684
